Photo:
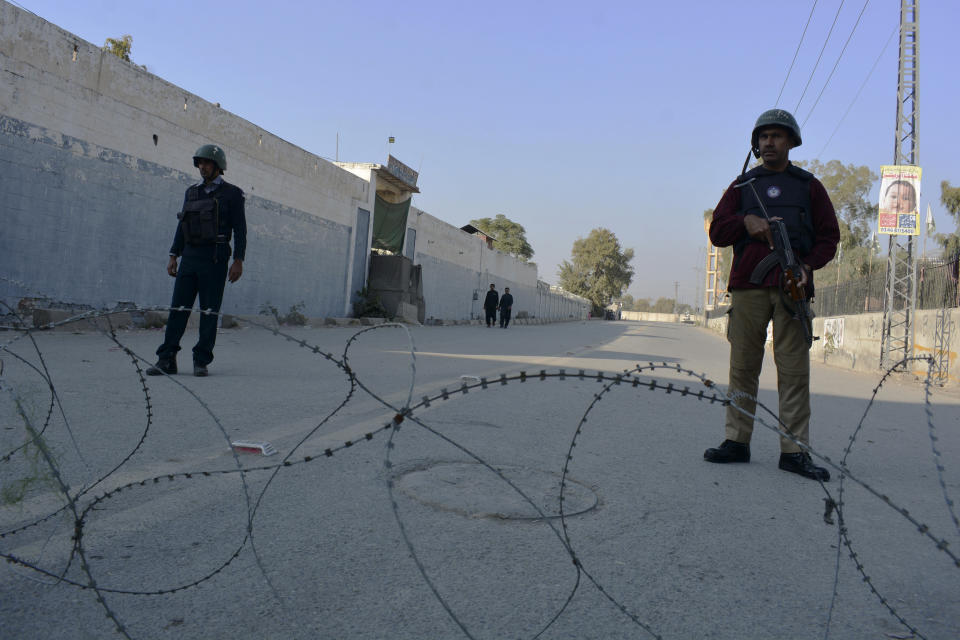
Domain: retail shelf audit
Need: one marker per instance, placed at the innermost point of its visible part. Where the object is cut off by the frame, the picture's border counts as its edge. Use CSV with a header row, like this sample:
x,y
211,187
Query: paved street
x,y
451,528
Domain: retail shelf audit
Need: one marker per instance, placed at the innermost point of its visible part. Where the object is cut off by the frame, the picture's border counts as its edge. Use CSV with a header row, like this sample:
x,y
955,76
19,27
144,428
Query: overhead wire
x,y
819,57
795,54
837,63
860,90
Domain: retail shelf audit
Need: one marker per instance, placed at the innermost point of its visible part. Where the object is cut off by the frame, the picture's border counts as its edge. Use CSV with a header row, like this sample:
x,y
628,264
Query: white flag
x,y
931,227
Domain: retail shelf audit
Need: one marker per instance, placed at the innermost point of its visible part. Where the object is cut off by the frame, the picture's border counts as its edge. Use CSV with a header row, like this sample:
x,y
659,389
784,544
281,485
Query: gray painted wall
x,y
95,154
448,290
92,226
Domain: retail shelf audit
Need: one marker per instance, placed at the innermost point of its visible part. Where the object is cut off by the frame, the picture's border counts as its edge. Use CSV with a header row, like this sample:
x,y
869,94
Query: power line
x,y
819,57
837,63
860,90
795,53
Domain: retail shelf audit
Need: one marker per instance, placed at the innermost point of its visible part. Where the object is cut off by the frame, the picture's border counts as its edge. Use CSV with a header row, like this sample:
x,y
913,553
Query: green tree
x,y
120,48
627,301
663,305
849,187
641,304
509,236
950,198
600,270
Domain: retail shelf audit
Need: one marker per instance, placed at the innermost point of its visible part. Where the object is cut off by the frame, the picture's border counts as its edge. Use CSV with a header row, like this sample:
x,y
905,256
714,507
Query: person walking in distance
x,y
506,304
490,305
213,210
796,197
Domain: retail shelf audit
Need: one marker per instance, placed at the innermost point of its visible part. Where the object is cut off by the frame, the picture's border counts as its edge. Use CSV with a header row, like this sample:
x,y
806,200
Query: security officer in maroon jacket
x,y
756,286
213,211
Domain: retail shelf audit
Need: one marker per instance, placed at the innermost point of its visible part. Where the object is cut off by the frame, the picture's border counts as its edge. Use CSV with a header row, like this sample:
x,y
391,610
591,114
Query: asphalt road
x,y
450,527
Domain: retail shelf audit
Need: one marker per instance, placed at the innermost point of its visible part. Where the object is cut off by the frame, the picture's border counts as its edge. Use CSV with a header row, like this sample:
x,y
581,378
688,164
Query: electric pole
x,y
896,342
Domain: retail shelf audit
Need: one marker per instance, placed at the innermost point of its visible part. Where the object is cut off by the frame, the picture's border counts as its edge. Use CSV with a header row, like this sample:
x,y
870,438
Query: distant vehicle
x,y
687,319
609,315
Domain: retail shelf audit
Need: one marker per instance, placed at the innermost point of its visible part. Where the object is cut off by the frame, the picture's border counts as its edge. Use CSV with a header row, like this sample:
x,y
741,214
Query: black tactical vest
x,y
200,218
785,194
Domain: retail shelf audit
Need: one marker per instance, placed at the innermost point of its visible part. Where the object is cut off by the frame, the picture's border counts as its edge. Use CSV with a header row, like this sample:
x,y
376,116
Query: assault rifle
x,y
792,270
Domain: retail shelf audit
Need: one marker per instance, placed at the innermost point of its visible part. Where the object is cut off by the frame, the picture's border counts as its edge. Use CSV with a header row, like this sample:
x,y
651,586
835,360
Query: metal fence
x,y
851,297
936,289
937,284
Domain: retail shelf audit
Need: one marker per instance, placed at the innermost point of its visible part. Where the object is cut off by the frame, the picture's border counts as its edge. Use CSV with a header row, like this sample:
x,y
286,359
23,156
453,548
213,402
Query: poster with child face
x,y
899,200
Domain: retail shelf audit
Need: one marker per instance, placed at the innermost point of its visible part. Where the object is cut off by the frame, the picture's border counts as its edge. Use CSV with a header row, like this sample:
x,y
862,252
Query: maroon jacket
x,y
727,228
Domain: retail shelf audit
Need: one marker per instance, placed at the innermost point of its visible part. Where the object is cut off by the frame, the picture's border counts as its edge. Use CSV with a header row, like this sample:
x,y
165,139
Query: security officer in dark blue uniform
x,y
212,212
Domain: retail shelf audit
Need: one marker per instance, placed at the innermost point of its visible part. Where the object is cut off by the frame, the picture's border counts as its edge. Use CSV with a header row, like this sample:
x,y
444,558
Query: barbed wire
x,y
408,412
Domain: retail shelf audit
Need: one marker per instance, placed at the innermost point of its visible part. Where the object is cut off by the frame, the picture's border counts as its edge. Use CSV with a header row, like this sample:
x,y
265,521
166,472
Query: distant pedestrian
x,y
506,304
490,305
212,211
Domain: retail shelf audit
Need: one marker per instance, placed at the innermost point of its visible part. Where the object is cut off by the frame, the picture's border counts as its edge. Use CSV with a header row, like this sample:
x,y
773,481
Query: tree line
x,y
661,305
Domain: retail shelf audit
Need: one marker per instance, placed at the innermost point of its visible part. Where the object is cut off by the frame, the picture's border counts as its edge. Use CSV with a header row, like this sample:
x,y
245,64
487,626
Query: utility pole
x,y
899,309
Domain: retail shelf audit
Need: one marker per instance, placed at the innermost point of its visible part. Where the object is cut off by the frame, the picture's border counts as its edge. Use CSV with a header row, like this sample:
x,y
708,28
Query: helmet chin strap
x,y
752,152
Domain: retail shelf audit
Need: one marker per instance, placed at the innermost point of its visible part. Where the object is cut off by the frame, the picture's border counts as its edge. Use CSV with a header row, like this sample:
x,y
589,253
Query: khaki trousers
x,y
751,311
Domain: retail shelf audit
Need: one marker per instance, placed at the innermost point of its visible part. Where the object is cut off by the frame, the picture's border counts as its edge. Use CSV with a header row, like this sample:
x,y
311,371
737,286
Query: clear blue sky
x,y
564,116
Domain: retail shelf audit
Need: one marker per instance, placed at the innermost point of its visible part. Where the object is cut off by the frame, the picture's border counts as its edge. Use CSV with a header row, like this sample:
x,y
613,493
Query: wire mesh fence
x,y
863,295
937,283
936,288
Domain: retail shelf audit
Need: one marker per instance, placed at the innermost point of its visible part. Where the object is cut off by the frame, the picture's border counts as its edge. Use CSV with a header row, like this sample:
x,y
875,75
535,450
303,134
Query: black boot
x,y
801,463
728,451
164,366
199,370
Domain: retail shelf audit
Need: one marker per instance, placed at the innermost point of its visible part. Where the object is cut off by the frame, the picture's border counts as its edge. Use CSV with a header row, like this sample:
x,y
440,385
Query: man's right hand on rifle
x,y
759,229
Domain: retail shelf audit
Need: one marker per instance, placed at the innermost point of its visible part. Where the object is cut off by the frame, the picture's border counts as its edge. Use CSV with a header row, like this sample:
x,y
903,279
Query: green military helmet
x,y
211,152
780,118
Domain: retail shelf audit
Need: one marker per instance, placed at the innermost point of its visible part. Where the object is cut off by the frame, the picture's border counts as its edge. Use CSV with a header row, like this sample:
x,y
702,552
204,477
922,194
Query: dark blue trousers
x,y
195,276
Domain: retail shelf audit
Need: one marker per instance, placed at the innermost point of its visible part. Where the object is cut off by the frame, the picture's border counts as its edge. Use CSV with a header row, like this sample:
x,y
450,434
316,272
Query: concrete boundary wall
x,y
95,154
853,342
649,316
458,269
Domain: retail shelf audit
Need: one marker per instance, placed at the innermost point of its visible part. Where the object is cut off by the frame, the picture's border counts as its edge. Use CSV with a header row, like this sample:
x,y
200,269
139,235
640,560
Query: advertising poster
x,y
833,333
899,200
